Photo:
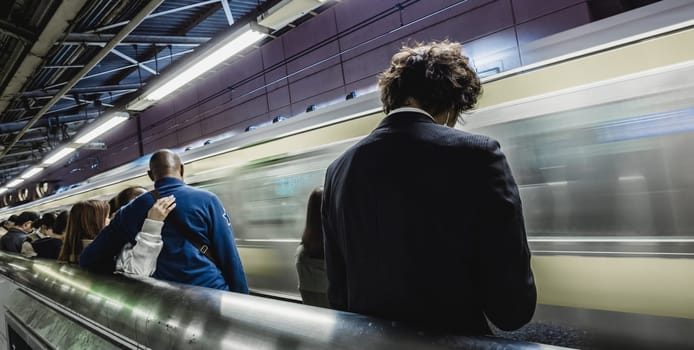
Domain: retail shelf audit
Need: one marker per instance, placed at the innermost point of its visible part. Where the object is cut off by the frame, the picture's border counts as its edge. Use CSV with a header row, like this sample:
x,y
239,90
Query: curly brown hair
x,y
435,74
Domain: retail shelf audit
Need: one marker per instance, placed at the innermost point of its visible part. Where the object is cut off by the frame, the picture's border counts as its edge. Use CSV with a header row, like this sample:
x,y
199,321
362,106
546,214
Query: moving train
x,y
598,142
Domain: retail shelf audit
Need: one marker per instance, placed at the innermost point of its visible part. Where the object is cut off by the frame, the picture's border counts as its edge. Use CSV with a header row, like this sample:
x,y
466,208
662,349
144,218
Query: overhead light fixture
x,y
116,119
287,11
59,155
33,171
235,43
3,190
15,182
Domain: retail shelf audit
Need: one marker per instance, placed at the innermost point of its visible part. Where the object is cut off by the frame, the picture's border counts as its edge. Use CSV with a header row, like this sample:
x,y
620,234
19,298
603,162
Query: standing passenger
x,y
423,222
310,259
23,225
48,246
199,246
85,221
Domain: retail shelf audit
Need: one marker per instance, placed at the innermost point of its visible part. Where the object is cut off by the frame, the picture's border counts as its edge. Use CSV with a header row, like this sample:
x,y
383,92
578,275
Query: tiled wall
x,y
304,67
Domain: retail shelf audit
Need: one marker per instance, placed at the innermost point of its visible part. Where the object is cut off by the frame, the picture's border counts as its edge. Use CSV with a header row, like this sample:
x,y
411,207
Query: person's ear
x,y
149,173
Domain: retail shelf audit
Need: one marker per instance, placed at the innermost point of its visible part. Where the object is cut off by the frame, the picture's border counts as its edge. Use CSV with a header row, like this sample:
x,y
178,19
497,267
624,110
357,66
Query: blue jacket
x,y
179,260
423,225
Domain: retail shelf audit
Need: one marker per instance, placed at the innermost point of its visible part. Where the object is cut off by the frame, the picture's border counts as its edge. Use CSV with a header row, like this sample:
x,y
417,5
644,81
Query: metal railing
x,y
50,305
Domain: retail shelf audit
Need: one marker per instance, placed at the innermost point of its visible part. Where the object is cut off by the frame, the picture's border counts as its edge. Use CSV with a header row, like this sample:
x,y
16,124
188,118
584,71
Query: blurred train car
x,y
599,142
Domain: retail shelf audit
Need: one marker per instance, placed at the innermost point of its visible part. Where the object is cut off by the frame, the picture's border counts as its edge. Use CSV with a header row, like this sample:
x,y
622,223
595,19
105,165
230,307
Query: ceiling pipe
x,y
139,17
100,39
6,128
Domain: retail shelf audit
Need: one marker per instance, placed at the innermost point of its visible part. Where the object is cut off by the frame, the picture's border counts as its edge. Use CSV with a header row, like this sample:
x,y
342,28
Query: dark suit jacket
x,y
423,224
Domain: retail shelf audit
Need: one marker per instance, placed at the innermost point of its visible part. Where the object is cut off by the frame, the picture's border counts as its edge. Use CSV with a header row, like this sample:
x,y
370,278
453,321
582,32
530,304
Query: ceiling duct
x,y
287,11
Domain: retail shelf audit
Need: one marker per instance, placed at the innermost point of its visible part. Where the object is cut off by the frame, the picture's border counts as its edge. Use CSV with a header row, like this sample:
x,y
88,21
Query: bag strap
x,y
188,234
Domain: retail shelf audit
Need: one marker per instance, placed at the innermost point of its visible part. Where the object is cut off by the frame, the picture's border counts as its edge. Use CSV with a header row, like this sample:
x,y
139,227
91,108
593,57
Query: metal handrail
x,y
144,312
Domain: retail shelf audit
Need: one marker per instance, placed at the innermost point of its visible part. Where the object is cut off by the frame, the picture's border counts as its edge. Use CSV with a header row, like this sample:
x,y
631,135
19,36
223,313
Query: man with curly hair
x,y
422,221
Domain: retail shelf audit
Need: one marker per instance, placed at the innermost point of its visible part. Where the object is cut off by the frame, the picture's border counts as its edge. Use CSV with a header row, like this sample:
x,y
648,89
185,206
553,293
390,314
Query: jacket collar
x,y
406,115
168,181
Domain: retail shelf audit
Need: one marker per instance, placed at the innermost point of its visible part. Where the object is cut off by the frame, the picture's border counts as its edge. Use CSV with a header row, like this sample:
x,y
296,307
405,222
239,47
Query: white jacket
x,y
141,259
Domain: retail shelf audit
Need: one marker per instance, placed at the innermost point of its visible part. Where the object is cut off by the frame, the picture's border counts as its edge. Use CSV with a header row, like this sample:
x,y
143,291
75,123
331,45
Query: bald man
x,y
197,211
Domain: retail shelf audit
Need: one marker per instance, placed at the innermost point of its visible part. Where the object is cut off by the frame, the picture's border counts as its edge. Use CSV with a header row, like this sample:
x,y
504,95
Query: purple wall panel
x,y
457,7
369,63
299,68
276,78
189,133
361,85
555,22
526,10
249,90
162,141
244,67
464,23
272,53
309,33
156,113
226,120
314,84
278,98
350,13
352,42
328,96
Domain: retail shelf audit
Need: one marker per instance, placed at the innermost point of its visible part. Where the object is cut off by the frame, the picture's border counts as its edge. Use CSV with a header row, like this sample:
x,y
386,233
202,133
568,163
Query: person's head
x,y
312,239
60,223
25,221
435,77
126,196
11,222
46,223
165,163
85,221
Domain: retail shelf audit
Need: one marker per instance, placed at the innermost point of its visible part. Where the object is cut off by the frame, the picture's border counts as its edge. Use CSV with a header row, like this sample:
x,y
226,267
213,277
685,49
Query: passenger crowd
x,y
419,222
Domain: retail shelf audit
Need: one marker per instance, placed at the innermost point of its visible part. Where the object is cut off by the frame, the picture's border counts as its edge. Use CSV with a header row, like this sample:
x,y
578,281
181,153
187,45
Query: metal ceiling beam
x,y
101,39
54,29
227,12
162,13
139,17
84,90
154,51
17,32
133,61
121,68
82,101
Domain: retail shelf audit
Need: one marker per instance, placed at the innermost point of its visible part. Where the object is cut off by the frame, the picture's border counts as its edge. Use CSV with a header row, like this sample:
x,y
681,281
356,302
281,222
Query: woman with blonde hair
x,y
85,221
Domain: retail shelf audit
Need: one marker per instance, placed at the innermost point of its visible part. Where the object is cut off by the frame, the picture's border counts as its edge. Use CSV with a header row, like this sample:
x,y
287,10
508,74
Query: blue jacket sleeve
x,y
336,271
98,255
509,286
224,248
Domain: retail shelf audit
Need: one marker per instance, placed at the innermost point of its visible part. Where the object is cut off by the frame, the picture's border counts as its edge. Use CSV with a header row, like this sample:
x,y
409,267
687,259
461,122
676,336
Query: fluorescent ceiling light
x,y
3,190
59,155
104,127
31,172
15,182
287,11
246,38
